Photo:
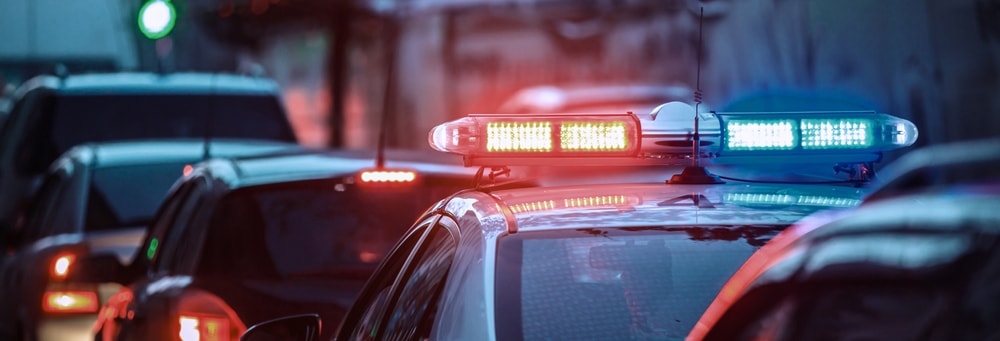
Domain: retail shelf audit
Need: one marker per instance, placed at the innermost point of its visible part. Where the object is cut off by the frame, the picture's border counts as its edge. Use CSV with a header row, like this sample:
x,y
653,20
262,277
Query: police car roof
x,y
616,205
152,83
309,164
129,152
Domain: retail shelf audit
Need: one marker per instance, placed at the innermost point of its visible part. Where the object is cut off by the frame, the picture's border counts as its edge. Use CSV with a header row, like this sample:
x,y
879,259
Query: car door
x,y
15,180
25,270
156,261
400,299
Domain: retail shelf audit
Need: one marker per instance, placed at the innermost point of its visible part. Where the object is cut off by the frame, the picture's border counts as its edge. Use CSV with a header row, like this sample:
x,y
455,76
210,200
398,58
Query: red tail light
x,y
61,265
203,328
202,316
70,301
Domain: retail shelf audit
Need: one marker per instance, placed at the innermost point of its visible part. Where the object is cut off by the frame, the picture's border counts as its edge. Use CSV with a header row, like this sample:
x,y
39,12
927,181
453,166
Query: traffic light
x,y
157,18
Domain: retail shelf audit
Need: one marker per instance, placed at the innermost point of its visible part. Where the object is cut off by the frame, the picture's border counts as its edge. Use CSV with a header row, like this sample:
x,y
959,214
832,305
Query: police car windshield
x,y
616,284
127,196
323,228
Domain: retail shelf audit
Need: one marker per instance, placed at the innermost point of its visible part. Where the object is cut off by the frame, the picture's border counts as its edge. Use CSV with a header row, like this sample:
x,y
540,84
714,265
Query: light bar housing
x,y
667,138
494,140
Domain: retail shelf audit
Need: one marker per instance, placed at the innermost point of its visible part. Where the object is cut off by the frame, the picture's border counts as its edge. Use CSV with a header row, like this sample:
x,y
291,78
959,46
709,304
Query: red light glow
x,y
388,176
70,302
61,265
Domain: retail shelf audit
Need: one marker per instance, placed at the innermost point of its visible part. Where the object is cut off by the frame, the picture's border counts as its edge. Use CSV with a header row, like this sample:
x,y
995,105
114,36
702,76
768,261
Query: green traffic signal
x,y
157,18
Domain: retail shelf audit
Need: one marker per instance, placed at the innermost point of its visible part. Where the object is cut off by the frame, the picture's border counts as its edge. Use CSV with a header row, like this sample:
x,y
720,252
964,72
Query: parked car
x,y
917,260
245,240
96,200
52,114
599,261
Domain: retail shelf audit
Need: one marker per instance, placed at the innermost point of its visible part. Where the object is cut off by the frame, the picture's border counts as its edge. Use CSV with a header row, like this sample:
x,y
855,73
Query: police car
x,y
611,261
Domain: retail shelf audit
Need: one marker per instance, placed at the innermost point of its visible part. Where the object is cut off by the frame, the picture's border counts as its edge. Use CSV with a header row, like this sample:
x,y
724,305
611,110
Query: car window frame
x,y
60,181
427,248
13,129
371,306
178,233
164,218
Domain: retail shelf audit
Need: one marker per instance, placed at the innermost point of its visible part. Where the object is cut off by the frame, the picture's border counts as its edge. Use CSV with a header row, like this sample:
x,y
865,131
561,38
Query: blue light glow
x,y
777,134
848,133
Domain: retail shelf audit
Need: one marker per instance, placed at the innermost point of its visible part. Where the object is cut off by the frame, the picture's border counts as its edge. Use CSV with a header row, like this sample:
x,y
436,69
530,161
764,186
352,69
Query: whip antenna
x,y
695,173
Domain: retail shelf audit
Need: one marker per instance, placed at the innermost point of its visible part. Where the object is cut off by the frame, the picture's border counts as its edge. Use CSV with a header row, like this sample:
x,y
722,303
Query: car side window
x,y
377,293
36,149
413,313
41,212
165,217
14,126
177,245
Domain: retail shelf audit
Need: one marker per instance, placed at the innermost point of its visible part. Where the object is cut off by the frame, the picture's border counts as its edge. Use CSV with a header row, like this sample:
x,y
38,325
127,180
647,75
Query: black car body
x,y
241,241
52,114
917,260
95,201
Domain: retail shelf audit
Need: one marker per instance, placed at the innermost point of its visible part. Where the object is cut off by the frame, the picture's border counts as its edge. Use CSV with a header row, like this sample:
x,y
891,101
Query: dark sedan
x,y
243,241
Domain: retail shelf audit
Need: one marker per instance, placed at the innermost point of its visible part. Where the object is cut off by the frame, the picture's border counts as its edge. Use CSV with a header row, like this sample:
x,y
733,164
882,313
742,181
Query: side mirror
x,y
296,327
98,268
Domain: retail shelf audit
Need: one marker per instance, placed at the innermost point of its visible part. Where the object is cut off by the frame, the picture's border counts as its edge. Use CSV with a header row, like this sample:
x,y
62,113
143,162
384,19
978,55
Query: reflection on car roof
x,y
151,83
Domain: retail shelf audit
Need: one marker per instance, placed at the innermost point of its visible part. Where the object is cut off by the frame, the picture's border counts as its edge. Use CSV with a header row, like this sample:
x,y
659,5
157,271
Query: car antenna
x,y
213,102
696,173
390,68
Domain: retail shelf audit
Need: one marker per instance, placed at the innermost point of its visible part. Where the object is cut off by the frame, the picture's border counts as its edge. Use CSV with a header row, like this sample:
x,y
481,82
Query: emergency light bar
x,y
622,139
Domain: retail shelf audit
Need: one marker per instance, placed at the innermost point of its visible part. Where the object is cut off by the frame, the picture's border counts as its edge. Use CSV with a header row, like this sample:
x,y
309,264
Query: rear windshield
x,y
127,196
69,120
315,228
642,283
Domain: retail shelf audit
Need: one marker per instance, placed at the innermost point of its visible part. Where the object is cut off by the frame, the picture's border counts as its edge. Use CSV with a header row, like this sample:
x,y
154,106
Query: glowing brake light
x,y
61,265
203,328
388,175
480,137
70,301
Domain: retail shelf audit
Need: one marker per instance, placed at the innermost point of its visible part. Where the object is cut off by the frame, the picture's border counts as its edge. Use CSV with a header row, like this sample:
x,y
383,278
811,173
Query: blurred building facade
x,y
935,62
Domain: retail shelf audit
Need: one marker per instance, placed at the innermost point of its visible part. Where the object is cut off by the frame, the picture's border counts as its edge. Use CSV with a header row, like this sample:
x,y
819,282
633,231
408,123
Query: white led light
x,y
760,135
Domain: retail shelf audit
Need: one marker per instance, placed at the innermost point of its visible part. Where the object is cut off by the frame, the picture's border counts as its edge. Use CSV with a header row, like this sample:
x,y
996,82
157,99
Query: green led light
x,y
151,251
157,18
747,135
846,133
